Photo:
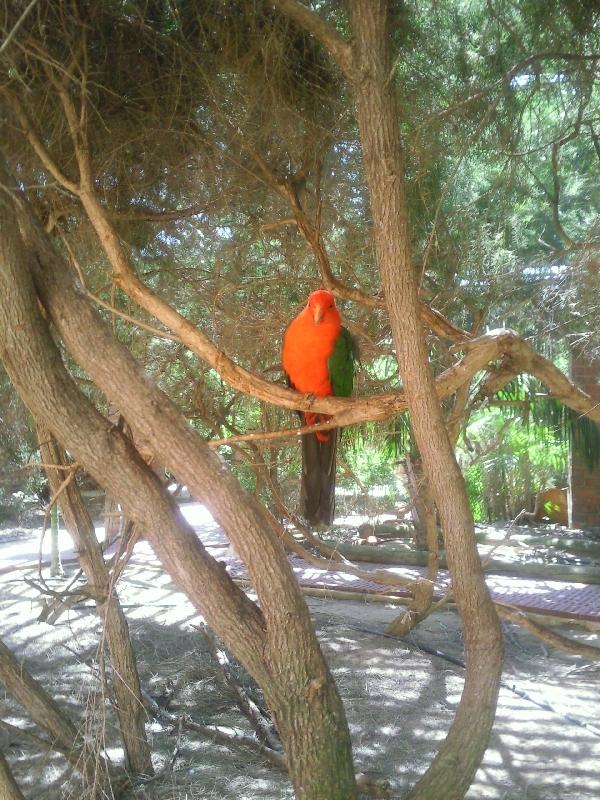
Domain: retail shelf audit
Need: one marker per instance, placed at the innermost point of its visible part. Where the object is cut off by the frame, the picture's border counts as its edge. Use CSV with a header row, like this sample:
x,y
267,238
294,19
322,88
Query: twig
x,y
73,469
227,736
262,726
16,27
85,592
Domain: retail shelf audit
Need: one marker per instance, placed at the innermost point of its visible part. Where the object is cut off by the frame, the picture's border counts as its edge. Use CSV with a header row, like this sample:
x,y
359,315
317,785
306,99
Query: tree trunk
x,y
47,715
55,565
425,540
277,644
424,514
42,709
8,786
453,768
126,684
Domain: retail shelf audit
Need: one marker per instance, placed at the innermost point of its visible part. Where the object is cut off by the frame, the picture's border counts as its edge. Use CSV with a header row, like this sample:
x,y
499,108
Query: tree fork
x,y
278,644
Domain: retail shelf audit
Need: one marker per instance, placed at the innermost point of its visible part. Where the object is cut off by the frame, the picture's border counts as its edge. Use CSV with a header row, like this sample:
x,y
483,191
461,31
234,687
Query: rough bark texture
x,y
42,709
277,644
126,684
8,786
453,768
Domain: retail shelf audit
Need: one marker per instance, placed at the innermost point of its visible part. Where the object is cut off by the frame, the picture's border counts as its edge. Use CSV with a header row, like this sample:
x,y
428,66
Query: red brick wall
x,y
584,485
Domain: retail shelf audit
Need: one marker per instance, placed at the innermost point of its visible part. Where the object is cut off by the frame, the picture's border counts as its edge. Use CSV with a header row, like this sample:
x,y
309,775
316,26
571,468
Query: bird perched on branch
x,y
318,359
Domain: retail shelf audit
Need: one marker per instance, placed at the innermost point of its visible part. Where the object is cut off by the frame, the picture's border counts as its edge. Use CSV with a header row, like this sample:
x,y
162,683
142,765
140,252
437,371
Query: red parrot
x,y
318,359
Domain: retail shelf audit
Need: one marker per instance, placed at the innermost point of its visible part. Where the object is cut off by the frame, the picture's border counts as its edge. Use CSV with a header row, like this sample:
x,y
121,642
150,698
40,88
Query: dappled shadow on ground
x,y
404,704
400,700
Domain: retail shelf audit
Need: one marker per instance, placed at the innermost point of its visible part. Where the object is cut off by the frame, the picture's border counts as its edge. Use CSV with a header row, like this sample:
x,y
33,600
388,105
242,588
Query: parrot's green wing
x,y
341,365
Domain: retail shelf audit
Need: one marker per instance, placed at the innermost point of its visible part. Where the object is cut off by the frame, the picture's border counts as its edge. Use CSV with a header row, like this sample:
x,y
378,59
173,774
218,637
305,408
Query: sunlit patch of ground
x,y
399,698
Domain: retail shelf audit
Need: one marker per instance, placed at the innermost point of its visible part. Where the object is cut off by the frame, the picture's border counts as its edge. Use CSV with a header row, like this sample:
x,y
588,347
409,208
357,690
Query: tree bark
x,y
452,771
277,644
9,789
370,71
46,713
126,684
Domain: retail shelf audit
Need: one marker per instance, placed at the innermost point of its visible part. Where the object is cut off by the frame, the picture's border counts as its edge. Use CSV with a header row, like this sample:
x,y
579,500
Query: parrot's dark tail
x,y
317,489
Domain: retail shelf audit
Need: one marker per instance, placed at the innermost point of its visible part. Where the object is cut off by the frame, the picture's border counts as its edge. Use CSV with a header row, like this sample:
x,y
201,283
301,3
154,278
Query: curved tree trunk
x,y
367,64
277,644
453,769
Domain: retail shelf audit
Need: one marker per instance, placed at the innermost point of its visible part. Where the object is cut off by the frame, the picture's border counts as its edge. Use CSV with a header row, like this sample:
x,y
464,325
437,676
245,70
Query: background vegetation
x,y
210,108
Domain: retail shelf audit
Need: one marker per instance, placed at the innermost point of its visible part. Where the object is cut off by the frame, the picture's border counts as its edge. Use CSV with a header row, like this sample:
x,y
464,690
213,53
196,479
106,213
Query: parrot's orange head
x,y
321,306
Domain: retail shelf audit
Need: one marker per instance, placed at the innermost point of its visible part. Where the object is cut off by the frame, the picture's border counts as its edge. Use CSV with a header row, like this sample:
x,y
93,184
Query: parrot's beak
x,y
318,312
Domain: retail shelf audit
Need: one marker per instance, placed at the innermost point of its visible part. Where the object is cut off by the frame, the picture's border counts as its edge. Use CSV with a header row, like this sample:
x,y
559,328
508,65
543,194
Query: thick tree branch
x,y
277,644
516,357
111,459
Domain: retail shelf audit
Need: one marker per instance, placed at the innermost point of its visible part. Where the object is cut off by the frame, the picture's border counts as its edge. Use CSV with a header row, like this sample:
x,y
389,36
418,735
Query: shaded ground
x,y
399,698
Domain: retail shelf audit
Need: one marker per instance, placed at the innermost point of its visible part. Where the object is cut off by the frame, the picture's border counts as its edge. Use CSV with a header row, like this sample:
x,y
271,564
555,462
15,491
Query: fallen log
x,y
418,558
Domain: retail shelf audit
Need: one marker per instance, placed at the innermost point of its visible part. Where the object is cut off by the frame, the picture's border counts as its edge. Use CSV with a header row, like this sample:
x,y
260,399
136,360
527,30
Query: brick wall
x,y
584,495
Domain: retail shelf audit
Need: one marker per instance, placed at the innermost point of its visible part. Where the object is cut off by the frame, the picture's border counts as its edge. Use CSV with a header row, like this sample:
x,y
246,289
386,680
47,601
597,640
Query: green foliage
x,y
215,106
400,439
368,457
508,459
476,492
547,416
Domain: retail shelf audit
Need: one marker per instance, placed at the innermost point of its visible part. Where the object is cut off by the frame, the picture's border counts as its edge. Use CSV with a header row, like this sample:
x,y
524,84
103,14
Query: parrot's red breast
x,y
308,343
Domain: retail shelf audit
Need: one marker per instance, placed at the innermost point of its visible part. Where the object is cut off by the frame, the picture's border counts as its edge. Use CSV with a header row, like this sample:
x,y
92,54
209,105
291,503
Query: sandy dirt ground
x,y
399,698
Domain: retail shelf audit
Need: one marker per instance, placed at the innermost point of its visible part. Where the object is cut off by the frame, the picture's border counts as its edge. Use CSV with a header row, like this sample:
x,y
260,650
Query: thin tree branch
x,y
544,633
16,26
227,736
38,146
338,47
140,214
